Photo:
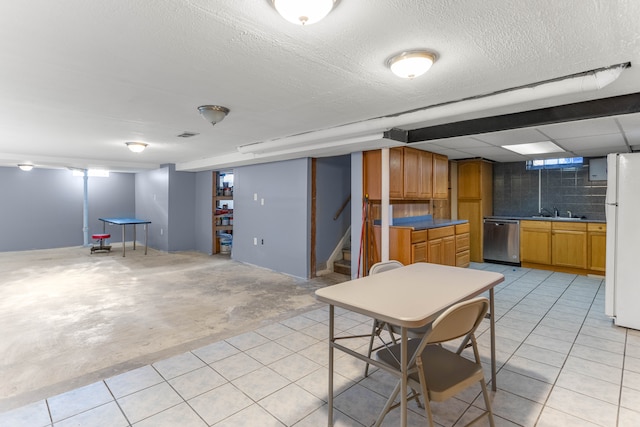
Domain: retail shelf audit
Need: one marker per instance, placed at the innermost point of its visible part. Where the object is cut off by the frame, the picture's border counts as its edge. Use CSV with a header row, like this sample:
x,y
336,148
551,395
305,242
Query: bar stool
x,y
101,237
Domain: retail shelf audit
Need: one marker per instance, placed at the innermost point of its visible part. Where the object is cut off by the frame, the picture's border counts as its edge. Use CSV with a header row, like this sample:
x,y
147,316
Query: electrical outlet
x,y
262,241
255,241
262,202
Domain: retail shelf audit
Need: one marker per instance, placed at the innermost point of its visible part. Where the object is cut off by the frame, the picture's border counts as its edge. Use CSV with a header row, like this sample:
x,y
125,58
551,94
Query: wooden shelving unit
x,y
221,216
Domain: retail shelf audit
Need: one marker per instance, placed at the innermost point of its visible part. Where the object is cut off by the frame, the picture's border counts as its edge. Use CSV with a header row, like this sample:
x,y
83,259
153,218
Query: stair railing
x,y
344,205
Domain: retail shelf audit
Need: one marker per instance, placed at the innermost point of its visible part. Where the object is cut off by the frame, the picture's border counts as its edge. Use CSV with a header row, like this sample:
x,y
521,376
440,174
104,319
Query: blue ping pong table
x,y
128,221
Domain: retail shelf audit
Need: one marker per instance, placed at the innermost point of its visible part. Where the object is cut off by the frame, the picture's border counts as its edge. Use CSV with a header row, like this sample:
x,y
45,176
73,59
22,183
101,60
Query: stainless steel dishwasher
x,y
501,241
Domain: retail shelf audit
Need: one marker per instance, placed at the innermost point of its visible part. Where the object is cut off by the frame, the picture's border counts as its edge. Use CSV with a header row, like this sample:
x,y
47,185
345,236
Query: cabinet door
x,y
569,248
419,252
469,182
440,176
535,245
449,250
462,259
372,163
471,210
425,173
597,251
411,173
435,251
396,175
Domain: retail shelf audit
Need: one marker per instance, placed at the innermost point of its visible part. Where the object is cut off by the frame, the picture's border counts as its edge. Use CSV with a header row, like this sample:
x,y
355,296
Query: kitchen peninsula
x,y
425,239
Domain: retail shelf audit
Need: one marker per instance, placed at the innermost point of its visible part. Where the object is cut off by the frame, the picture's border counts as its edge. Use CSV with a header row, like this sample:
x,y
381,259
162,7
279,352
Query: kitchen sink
x,y
556,218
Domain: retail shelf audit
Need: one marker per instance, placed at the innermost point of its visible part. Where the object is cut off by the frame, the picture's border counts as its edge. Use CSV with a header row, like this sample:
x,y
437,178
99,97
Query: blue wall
x,y
203,216
333,187
167,198
42,209
152,203
282,225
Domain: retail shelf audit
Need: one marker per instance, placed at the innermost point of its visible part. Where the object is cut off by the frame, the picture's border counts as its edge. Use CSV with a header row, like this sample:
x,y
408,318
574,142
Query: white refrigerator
x,y
622,296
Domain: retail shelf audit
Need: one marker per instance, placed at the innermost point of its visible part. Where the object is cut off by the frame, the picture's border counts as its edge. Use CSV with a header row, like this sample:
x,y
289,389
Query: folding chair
x,y
438,372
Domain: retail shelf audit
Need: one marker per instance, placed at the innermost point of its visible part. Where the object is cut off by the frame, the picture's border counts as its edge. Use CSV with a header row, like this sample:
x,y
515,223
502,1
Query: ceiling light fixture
x,y
303,12
25,166
543,147
213,113
136,147
411,64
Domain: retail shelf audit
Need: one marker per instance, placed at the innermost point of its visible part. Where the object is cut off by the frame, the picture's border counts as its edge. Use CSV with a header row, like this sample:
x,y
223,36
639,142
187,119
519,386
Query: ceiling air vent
x,y
187,134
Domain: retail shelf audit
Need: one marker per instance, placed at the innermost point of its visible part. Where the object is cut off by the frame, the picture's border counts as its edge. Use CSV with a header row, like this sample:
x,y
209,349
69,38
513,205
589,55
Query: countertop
x,y
547,218
424,222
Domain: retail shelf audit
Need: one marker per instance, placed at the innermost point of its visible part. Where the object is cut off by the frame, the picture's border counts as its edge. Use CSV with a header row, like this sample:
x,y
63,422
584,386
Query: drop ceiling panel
x,y
613,141
461,143
514,136
580,128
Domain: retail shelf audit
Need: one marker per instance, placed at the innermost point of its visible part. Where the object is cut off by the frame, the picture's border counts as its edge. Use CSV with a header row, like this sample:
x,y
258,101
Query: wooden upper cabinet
x,y
411,173
396,175
469,180
372,164
373,173
425,174
440,176
418,174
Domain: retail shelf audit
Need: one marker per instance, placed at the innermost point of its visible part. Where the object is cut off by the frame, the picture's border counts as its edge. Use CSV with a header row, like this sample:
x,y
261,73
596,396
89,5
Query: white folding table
x,y
409,297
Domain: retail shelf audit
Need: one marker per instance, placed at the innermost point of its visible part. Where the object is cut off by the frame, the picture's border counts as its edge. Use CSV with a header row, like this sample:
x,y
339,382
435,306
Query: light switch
x,y
255,241
262,202
255,196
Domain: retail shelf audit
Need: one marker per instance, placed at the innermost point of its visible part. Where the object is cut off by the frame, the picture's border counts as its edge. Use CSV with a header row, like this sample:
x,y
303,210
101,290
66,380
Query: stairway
x,y
343,266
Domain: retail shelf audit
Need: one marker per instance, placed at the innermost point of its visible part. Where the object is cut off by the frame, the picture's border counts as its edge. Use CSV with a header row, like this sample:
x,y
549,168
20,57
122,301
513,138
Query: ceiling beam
x,y
614,106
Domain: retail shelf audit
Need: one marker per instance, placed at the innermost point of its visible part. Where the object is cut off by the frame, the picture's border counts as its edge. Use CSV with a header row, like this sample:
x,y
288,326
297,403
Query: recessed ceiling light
x,y
25,166
411,64
542,147
136,147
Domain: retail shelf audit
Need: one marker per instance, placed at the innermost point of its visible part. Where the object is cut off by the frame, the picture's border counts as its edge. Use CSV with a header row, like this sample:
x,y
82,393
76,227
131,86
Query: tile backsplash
x,y
516,190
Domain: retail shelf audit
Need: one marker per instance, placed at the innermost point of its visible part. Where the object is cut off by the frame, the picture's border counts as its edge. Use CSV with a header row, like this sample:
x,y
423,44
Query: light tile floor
x,y
561,363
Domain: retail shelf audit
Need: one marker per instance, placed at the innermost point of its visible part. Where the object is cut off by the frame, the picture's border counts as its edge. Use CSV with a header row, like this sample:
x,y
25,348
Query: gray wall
x,y
515,191
203,216
168,199
182,210
43,208
282,224
152,203
333,187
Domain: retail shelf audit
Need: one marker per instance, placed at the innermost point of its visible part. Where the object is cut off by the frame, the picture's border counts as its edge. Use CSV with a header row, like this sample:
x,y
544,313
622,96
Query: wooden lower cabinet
x,y
535,242
574,247
471,210
443,245
569,244
462,245
597,244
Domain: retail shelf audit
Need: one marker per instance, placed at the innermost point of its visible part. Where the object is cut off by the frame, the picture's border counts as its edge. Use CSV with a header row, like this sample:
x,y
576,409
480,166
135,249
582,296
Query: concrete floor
x,y
68,318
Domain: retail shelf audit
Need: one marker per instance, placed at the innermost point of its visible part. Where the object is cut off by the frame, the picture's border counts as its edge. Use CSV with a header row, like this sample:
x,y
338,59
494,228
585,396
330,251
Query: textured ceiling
x,y
79,78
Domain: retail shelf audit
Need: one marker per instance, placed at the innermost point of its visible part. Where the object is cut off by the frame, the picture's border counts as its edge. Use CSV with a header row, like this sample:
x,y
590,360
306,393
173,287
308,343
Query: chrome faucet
x,y
556,212
543,210
569,214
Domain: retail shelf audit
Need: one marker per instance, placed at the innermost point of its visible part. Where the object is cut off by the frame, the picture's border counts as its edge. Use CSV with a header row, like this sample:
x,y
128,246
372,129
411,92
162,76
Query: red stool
x,y
101,237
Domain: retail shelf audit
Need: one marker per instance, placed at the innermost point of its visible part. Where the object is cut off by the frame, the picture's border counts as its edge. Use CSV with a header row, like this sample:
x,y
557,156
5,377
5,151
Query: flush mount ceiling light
x,y
25,166
213,113
411,64
303,12
136,147
543,147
